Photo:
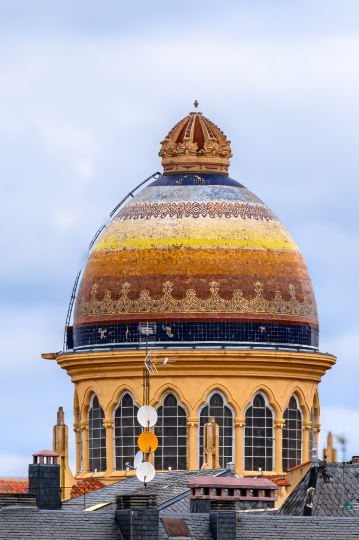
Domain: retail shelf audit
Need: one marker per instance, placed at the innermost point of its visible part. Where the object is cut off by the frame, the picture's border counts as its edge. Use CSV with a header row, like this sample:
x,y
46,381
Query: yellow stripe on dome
x,y
195,233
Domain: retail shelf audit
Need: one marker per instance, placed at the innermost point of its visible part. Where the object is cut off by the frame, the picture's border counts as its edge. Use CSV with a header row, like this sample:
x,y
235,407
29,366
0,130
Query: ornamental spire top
x,y
195,144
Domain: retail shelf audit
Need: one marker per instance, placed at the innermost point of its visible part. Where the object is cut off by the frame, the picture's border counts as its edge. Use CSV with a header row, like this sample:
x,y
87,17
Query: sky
x,y
88,89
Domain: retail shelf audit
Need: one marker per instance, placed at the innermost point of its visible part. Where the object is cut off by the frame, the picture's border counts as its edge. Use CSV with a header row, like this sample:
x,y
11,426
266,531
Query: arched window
x,y
171,430
127,430
97,437
224,418
311,434
258,437
292,435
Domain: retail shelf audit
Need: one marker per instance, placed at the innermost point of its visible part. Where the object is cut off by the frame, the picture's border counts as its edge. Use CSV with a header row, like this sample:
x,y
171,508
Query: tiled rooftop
x,y
14,485
85,485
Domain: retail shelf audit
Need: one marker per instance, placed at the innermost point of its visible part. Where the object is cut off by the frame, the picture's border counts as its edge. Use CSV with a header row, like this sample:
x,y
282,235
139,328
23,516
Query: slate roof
x,y
182,507
296,528
165,485
34,524
255,527
330,497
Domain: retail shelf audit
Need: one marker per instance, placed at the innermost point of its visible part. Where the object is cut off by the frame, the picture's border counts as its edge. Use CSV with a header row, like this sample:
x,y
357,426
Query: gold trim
x,y
192,304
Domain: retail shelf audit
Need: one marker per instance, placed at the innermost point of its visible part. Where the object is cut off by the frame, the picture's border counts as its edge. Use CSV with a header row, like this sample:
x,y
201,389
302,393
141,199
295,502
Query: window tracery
x,y
171,430
292,435
258,438
126,431
97,436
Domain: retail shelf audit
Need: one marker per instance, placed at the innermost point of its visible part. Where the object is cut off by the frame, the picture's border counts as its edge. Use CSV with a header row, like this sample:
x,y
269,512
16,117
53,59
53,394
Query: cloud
x,y
87,92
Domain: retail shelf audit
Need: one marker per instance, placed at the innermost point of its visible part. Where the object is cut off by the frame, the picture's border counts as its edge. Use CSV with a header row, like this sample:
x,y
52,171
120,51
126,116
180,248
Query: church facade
x,y
206,266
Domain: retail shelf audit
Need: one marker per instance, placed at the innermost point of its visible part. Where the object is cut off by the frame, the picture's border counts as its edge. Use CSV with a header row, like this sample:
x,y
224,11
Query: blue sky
x,y
88,89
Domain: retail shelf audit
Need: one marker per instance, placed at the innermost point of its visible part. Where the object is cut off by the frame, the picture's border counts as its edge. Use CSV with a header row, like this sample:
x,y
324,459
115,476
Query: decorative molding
x,y
279,423
221,209
192,422
192,304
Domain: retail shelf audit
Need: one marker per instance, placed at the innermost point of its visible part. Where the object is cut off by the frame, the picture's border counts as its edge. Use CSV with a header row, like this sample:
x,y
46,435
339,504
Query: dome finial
x,y
195,104
195,144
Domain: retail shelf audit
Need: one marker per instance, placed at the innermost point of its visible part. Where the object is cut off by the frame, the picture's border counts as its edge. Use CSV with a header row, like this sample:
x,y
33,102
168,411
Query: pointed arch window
x,y
292,435
217,408
127,429
258,436
97,436
171,430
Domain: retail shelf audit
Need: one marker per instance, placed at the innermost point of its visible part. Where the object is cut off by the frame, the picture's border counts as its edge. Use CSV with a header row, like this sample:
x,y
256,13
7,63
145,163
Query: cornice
x,y
197,363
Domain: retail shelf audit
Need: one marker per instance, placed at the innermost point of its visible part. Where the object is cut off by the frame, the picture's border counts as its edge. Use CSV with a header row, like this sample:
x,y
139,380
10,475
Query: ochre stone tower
x,y
196,253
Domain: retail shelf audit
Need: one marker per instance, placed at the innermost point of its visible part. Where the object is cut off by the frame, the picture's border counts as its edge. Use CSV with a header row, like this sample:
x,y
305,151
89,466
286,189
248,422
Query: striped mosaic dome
x,y
203,258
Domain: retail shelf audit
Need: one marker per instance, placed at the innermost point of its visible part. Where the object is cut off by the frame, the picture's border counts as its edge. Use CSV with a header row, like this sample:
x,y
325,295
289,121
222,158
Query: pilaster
x,y
192,425
239,424
278,427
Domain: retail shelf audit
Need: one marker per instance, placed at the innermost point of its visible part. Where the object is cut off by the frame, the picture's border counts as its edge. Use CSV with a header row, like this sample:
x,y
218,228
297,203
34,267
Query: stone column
x,y
278,427
305,448
239,424
108,424
192,424
85,447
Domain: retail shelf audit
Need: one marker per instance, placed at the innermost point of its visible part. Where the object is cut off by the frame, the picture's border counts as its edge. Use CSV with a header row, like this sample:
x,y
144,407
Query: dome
x,y
199,255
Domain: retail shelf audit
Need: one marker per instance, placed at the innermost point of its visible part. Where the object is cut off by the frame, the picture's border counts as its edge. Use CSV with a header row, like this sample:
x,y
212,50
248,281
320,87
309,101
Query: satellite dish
x,y
138,459
147,442
145,472
147,416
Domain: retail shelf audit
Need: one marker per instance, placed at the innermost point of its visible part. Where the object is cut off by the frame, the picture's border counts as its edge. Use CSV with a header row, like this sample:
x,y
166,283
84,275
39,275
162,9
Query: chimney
x,y
244,493
137,516
222,520
44,480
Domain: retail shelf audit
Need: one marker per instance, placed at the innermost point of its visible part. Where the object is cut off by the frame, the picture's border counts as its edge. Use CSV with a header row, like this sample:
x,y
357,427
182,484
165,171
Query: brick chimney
x,y
137,516
44,480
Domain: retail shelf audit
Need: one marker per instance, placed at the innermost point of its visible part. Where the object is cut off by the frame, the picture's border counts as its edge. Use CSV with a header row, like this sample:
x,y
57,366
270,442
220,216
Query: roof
x,y
85,485
300,465
264,527
166,486
34,524
14,485
280,480
333,498
296,528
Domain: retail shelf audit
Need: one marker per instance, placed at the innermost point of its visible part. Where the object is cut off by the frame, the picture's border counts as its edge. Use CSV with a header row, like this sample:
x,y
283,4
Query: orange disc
x,y
147,442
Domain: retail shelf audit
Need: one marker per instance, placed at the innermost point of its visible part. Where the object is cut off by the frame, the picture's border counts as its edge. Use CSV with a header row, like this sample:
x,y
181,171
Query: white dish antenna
x,y
145,472
147,416
138,459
